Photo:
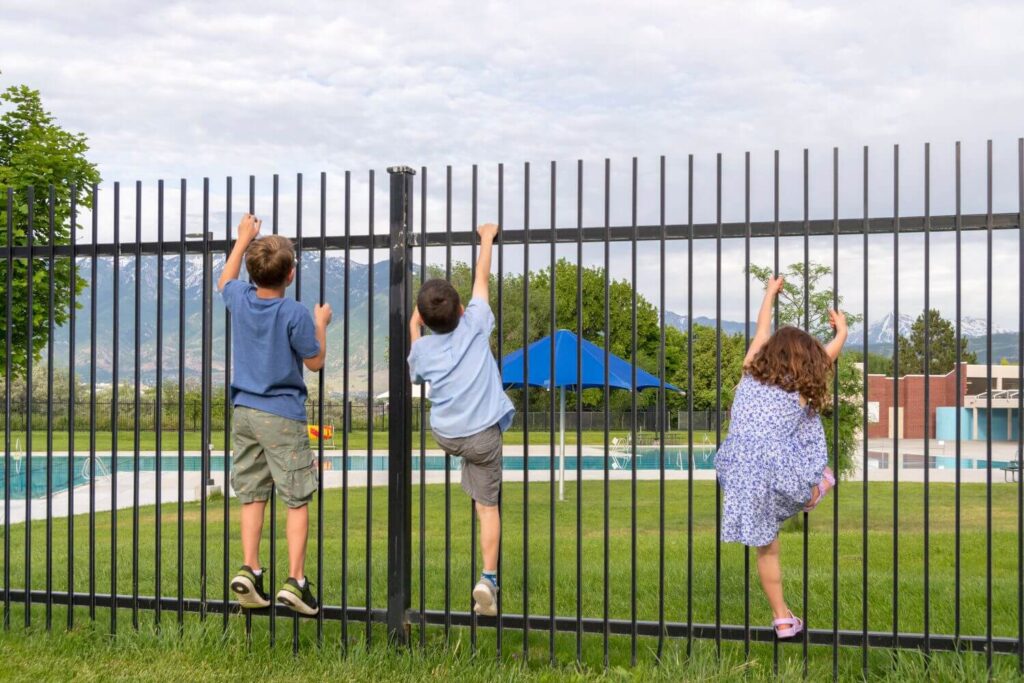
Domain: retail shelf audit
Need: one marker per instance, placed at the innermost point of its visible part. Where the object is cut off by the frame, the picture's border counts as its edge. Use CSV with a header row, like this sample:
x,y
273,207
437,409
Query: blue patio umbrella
x,y
592,361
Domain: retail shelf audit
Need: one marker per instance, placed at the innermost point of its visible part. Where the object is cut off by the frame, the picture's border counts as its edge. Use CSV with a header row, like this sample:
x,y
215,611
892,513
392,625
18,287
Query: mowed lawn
x,y
534,583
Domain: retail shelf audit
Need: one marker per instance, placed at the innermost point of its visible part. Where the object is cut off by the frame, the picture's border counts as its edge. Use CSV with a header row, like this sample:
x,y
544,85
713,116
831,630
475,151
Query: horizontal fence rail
x,y
611,512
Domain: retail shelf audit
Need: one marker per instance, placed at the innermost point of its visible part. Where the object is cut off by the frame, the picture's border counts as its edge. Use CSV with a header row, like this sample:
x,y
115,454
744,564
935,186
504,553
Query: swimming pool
x,y
647,458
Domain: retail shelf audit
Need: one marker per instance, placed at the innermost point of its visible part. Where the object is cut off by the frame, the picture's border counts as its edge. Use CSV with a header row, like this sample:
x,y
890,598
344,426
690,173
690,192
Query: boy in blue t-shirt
x,y
272,338
469,410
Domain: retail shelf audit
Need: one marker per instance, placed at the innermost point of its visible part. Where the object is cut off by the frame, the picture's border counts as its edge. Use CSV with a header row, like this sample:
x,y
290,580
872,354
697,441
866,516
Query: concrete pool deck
x,y
910,451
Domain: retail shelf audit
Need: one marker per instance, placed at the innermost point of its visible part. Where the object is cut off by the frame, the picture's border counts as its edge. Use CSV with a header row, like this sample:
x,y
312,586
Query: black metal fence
x,y
654,573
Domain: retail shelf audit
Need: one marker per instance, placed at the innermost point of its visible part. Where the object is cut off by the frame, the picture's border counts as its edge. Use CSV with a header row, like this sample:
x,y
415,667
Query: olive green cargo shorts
x,y
269,451
481,463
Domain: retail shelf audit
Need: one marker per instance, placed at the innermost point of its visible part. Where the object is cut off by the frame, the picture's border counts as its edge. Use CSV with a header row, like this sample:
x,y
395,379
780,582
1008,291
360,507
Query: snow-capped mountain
x,y
882,330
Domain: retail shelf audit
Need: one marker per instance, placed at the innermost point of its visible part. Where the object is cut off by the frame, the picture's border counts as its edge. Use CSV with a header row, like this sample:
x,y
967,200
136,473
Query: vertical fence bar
x,y
579,410
29,357
662,412
897,415
275,227
927,393
227,397
775,267
864,430
988,402
137,399
607,393
7,404
346,415
447,456
298,297
400,402
526,411
159,419
51,258
205,390
835,420
182,271
472,504
959,401
92,406
689,407
551,433
369,434
501,345
807,328
718,400
746,344
226,539
423,427
632,431
321,379
114,406
1020,405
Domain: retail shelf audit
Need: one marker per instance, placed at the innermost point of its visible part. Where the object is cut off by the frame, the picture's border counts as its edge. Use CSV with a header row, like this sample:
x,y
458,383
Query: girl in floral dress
x,y
774,463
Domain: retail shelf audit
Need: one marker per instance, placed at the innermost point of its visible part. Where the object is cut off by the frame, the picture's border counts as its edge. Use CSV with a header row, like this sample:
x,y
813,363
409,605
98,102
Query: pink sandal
x,y
827,482
792,626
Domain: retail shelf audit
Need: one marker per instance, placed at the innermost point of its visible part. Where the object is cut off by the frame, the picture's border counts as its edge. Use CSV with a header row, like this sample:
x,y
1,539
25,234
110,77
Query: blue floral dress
x,y
774,454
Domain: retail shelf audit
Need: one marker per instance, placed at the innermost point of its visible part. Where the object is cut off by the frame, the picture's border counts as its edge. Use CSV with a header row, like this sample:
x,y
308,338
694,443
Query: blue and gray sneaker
x,y
485,594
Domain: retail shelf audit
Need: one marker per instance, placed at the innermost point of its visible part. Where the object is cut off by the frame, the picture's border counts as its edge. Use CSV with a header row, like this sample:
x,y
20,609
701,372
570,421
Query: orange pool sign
x,y
314,431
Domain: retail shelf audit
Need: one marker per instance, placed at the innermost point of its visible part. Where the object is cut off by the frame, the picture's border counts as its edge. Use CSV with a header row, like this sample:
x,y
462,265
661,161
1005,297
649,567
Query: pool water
x,y
647,458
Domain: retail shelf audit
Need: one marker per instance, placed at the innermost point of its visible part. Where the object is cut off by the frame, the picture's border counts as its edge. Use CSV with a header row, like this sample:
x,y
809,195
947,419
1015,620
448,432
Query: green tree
x,y
877,363
941,343
791,311
704,366
36,152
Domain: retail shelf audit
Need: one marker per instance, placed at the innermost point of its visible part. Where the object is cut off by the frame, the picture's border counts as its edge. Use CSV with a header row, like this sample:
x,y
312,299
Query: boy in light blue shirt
x,y
469,410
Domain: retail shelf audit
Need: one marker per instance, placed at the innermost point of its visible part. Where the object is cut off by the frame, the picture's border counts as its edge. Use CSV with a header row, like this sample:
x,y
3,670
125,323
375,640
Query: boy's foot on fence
x,y
299,598
485,594
248,586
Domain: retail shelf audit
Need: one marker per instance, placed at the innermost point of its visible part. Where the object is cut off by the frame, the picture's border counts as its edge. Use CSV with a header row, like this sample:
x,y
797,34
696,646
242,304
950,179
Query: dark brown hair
x,y
795,361
269,260
439,305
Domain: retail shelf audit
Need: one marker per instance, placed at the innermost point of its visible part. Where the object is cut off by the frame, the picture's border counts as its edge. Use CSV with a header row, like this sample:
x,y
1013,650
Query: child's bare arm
x,y
321,319
248,229
415,323
482,277
837,319
764,319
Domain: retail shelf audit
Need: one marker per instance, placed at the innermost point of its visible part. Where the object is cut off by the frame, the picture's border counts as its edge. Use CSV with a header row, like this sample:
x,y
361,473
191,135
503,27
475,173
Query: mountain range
x,y
879,332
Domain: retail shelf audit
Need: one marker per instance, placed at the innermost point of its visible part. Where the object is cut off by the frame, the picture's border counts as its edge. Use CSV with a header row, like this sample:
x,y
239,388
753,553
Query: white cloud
x,y
192,89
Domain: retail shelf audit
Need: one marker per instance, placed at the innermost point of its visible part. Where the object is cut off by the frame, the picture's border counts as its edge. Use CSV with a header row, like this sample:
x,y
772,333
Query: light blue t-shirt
x,y
269,339
466,396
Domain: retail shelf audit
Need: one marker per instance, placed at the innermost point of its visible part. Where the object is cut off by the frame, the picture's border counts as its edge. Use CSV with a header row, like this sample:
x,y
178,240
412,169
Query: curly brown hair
x,y
795,361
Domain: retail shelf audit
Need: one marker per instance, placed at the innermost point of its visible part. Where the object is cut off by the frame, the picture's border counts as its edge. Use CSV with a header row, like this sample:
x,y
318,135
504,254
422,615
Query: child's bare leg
x,y
770,571
490,535
297,530
252,530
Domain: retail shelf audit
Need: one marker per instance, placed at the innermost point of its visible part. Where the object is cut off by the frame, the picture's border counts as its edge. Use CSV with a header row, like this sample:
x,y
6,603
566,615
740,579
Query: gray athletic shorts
x,y
481,463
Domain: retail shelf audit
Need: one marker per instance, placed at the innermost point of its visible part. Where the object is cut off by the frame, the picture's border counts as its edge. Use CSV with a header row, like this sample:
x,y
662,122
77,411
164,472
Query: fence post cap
x,y
402,169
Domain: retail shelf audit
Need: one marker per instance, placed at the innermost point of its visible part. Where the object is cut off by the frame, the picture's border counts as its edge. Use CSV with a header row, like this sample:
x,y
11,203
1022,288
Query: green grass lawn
x,y
202,643
357,440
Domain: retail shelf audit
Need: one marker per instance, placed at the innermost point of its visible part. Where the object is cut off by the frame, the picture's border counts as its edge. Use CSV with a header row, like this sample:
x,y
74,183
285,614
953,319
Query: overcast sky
x,y
182,89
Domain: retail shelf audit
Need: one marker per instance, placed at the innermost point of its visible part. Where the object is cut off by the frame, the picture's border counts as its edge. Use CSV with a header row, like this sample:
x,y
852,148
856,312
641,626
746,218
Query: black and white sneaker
x,y
248,586
298,598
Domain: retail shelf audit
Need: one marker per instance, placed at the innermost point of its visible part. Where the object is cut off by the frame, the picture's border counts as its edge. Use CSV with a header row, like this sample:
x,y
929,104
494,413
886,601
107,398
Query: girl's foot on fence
x,y
827,482
248,586
298,598
788,627
485,594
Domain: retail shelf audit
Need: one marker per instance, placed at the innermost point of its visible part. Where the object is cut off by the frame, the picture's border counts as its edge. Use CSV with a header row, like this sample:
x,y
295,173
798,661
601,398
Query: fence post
x,y
400,407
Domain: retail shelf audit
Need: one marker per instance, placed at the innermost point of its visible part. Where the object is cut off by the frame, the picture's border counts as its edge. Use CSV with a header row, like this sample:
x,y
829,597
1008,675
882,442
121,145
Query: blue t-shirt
x,y
466,396
269,338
